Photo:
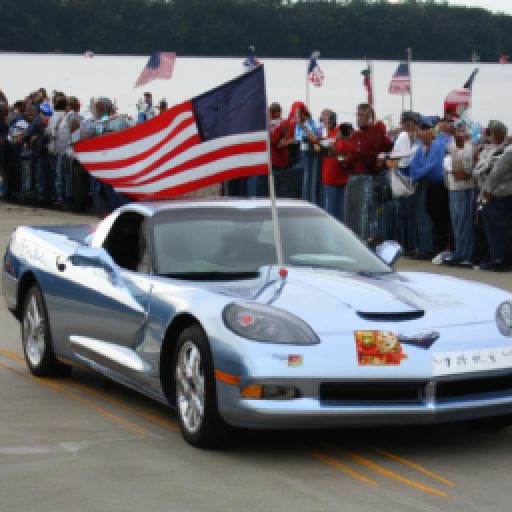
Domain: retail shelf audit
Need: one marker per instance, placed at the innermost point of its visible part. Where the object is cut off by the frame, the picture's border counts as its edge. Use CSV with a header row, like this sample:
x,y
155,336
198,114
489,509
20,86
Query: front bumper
x,y
314,412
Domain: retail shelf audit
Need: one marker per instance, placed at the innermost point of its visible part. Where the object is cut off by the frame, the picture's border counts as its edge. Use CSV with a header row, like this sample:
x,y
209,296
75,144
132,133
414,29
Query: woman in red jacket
x,y
334,177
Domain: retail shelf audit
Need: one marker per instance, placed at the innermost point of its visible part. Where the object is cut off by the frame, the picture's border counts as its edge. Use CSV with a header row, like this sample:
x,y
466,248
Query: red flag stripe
x,y
206,158
135,133
184,188
118,164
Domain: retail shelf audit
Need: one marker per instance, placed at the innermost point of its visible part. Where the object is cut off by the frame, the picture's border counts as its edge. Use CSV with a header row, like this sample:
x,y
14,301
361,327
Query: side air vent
x,y
391,317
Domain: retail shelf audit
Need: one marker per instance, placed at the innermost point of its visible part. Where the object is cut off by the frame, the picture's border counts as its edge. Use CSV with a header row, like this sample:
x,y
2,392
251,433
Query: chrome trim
x,y
122,356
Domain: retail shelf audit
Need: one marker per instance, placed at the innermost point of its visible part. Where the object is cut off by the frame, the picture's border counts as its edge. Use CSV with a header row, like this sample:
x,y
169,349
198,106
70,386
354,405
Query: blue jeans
x,y
288,182
496,215
424,240
257,186
311,177
333,200
462,213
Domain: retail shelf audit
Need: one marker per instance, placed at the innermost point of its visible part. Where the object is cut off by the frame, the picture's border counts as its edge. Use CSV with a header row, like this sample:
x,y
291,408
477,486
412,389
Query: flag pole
x,y
272,190
409,60
307,85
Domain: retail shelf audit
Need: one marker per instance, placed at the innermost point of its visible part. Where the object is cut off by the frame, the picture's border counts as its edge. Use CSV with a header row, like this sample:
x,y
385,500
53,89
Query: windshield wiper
x,y
213,276
370,273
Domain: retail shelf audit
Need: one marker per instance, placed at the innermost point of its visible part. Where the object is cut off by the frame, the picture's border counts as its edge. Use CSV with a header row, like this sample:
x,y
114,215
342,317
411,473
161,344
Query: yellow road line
x,y
146,415
413,465
100,410
342,467
12,355
391,474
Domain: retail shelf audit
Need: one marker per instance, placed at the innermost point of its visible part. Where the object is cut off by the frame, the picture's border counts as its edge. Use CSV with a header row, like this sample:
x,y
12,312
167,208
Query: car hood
x,y
331,300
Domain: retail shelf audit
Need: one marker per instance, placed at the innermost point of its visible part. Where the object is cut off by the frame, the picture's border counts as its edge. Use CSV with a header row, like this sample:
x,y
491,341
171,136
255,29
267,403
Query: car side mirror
x,y
96,258
389,251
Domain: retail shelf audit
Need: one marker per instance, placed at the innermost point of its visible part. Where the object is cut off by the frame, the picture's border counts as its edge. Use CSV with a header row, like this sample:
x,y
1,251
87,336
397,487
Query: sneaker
x,y
496,265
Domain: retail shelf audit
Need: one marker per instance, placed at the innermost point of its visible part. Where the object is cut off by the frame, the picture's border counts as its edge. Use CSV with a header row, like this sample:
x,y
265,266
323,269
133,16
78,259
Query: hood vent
x,y
400,316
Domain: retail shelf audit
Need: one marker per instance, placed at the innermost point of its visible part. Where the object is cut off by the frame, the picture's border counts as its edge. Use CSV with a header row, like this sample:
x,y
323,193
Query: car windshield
x,y
209,242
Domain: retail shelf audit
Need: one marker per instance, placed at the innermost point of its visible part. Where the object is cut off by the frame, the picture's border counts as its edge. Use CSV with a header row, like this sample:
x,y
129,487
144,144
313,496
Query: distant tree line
x,y
339,29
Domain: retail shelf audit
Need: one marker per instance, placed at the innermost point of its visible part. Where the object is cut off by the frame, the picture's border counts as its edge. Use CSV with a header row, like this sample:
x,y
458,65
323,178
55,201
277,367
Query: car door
x,y
101,304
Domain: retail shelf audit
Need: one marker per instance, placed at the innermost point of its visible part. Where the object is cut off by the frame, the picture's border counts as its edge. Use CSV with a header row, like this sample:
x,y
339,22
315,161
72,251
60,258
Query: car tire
x,y
36,338
195,391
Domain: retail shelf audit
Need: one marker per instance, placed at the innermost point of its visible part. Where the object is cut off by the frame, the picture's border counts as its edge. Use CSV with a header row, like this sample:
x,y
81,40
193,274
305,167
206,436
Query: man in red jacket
x,y
365,192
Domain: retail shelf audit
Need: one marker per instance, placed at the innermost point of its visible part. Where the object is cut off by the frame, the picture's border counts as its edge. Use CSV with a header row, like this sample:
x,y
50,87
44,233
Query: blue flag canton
x,y
238,106
312,65
154,61
402,69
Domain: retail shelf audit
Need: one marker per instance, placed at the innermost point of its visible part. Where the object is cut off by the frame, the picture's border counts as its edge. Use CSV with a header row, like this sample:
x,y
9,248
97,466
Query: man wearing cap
x,y
458,167
400,213
495,199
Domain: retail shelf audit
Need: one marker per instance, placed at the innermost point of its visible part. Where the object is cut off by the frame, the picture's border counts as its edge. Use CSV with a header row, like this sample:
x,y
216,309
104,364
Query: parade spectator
x,y
284,150
334,178
494,175
365,192
4,130
162,106
56,146
400,211
458,166
308,135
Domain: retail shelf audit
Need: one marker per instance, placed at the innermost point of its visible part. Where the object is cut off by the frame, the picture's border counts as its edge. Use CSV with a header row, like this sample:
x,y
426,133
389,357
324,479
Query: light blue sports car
x,y
184,302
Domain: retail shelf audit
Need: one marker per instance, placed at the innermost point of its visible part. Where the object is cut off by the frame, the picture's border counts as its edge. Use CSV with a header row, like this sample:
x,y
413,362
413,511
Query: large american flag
x,y
401,80
216,136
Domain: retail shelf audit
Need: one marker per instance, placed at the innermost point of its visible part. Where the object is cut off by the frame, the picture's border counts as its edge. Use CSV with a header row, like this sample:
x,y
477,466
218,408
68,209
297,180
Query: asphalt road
x,y
86,444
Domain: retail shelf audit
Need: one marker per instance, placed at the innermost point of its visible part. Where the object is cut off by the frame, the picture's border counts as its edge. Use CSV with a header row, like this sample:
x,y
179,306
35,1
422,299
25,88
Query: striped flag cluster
x,y
216,136
401,80
315,74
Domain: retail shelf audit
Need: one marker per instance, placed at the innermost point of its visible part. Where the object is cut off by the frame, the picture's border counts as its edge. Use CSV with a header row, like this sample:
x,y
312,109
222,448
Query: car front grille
x,y
414,392
458,388
372,392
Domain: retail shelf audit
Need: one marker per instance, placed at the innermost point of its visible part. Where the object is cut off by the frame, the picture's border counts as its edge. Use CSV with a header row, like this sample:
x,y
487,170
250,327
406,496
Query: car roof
x,y
149,208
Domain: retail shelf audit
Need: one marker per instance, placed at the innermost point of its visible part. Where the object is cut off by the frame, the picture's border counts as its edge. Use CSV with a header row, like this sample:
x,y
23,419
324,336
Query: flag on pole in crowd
x,y
251,61
468,84
401,80
159,65
368,82
315,74
219,135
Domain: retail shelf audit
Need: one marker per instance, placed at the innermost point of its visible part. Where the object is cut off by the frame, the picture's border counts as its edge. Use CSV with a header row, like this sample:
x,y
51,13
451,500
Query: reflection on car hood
x,y
329,300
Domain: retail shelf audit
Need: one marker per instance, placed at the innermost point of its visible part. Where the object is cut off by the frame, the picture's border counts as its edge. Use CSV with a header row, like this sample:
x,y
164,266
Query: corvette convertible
x,y
184,302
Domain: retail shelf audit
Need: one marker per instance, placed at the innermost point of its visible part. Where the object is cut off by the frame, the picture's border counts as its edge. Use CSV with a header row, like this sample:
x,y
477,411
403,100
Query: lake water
x,y
114,76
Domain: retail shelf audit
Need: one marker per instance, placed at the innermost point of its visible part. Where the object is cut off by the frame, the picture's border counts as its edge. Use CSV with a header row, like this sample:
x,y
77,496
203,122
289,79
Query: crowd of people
x,y
442,191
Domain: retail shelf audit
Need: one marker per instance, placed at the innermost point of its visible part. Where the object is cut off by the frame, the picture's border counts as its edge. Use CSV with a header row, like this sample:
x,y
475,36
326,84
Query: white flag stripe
x,y
133,148
189,154
132,169
203,149
203,171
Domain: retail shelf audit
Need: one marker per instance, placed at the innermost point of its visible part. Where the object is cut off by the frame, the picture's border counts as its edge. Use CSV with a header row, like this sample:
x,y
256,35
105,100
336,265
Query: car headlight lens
x,y
504,318
260,322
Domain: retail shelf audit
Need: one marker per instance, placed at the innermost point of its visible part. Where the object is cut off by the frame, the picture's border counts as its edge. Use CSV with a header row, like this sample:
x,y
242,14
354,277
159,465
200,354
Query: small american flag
x,y
213,137
315,74
159,65
401,80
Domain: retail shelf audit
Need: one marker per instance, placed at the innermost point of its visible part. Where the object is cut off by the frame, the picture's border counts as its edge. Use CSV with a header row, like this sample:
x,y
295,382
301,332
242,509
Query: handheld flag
x,y
368,82
401,80
468,84
219,135
315,74
159,65
251,61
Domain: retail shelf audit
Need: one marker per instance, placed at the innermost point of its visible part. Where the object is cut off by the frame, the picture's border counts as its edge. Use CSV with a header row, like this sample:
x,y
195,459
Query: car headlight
x,y
260,322
504,318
